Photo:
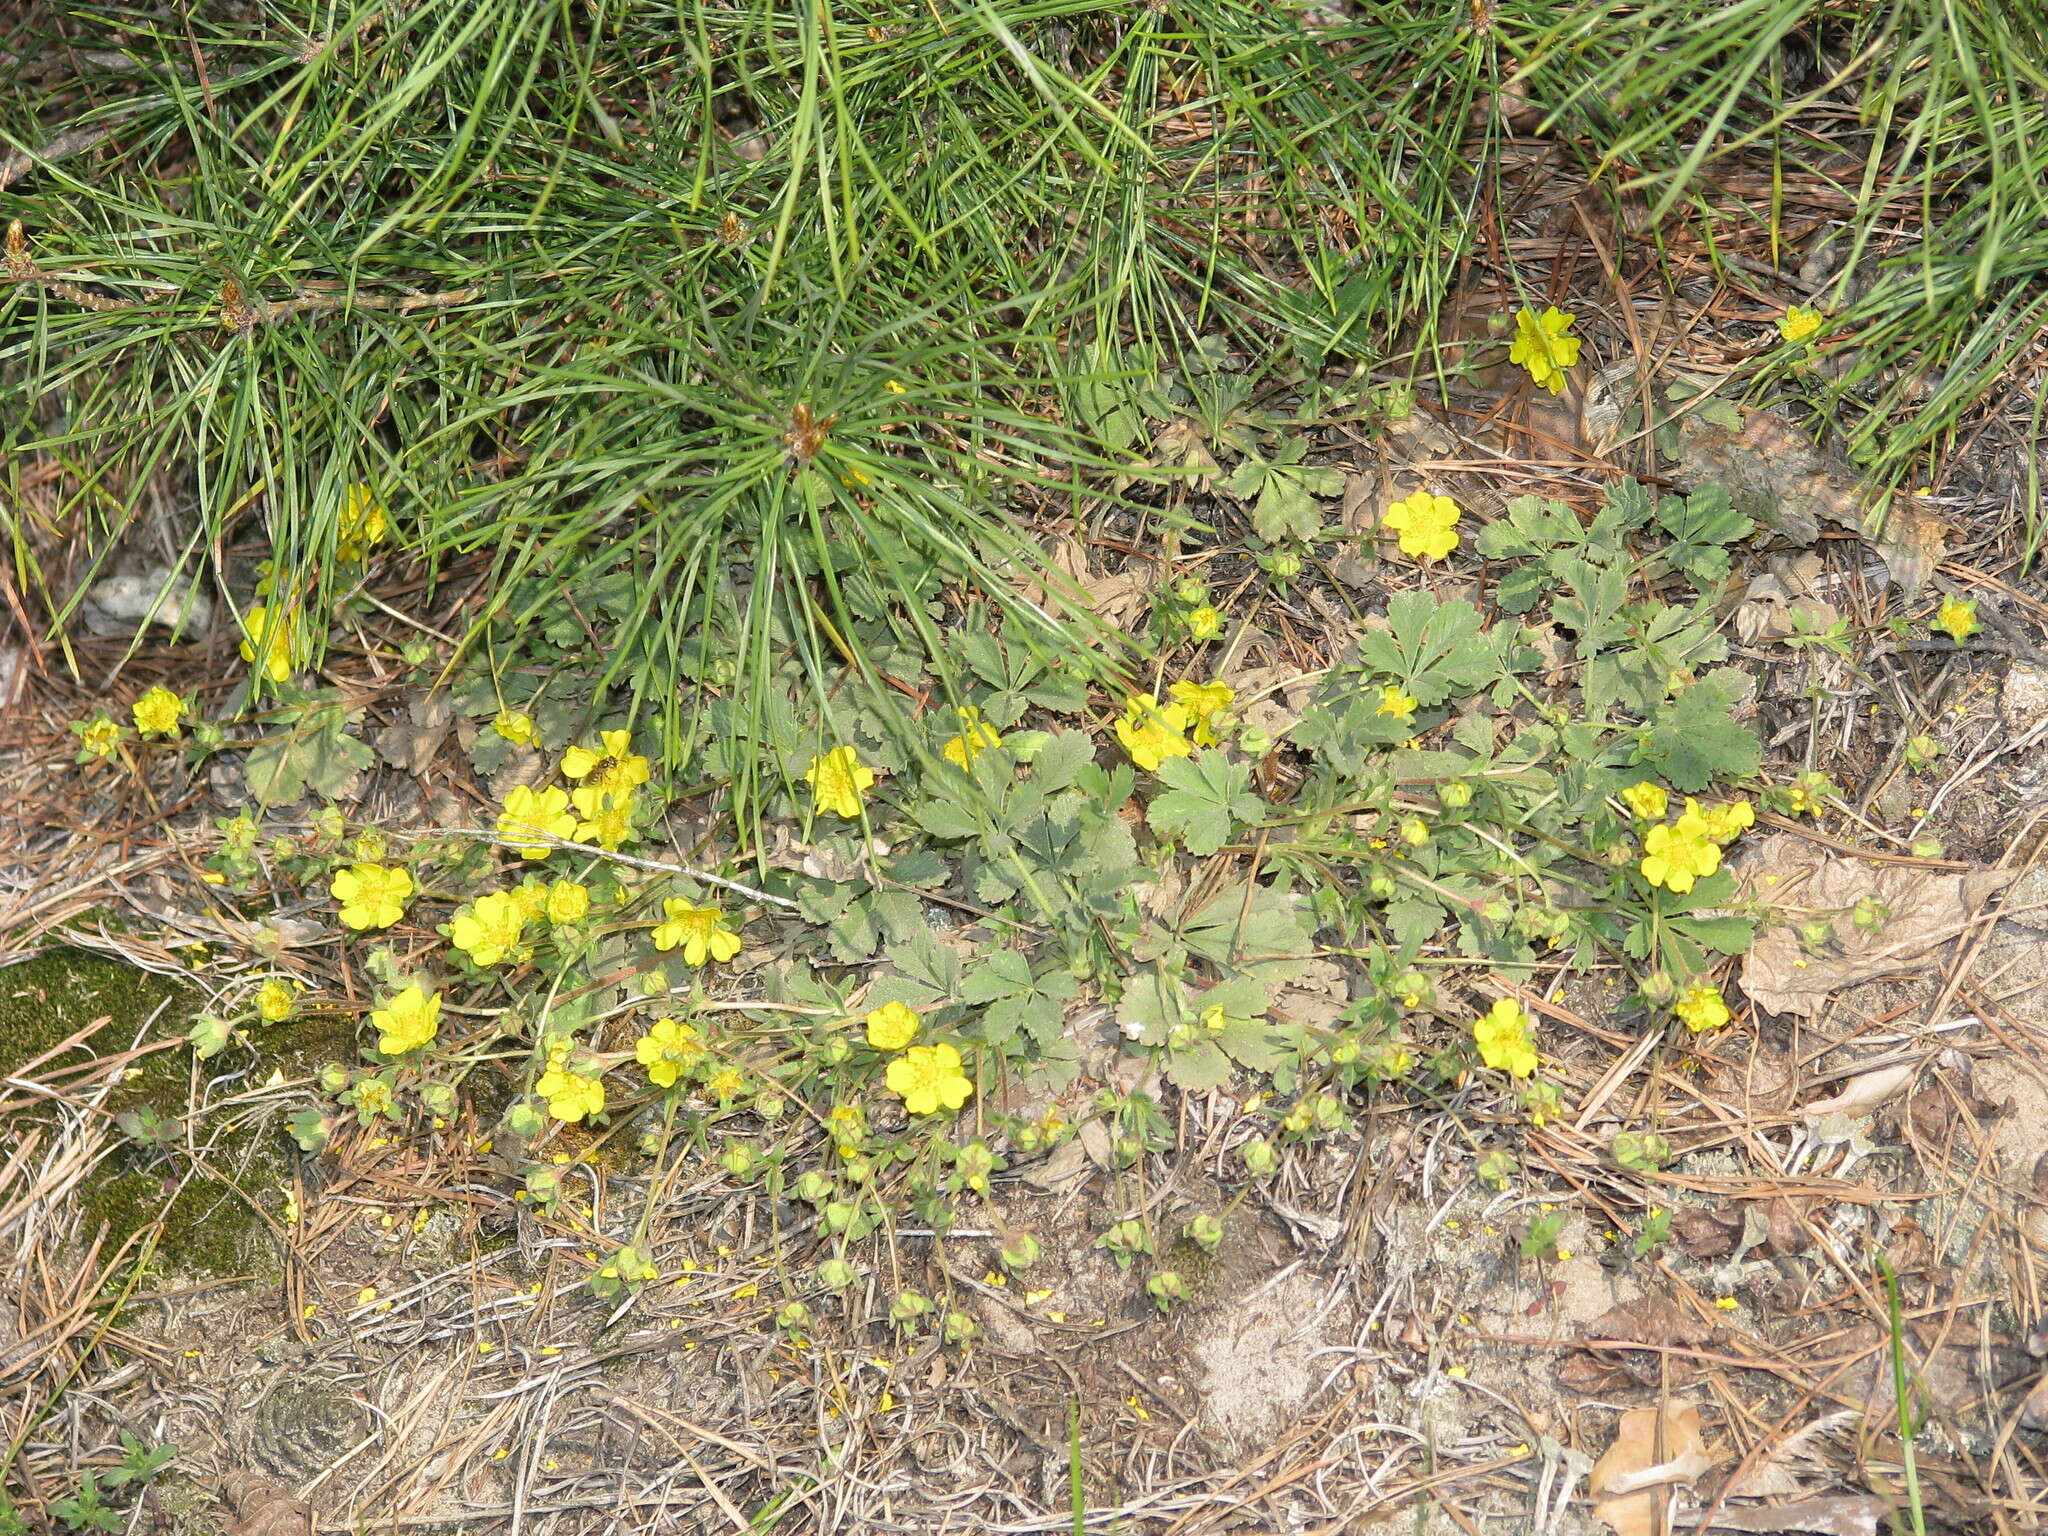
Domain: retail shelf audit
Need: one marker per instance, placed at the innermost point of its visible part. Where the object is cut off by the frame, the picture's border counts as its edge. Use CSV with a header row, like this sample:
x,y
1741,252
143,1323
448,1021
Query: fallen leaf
x,y
1860,1095
410,744
1775,473
261,1508
1651,1319
1626,1480
1851,1514
1927,907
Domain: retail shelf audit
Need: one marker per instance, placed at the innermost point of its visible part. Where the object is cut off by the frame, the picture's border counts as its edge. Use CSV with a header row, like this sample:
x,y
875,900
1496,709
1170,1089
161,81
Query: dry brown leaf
x,y
1928,907
1861,1094
1626,1480
1651,1319
1775,473
261,1508
1849,1514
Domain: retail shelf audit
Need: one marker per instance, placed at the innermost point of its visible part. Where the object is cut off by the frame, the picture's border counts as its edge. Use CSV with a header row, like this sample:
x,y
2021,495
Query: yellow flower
x,y
1727,822
1682,853
158,712
894,388
1649,801
613,771
567,902
516,726
570,1095
408,1021
891,1027
839,780
668,1051
976,737
1503,1039
1206,704
1701,1008
371,895
490,930
1798,323
1805,795
374,1097
927,1076
607,817
1428,525
532,899
532,817
1544,346
1394,702
363,522
1205,623
1151,733
1958,619
700,930
276,999
97,737
725,1084
275,635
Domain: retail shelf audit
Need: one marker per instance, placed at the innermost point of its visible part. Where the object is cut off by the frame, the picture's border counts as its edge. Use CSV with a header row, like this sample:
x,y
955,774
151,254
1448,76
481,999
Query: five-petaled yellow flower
x,y
408,1021
567,902
374,1097
668,1051
1427,524
275,636
1799,323
839,780
928,1076
614,771
976,737
158,712
363,522
532,817
891,1027
1396,703
607,817
1205,704
701,931
372,895
1503,1039
1678,855
1649,801
516,726
1544,346
490,930
570,1095
1958,619
97,737
275,1000
1205,623
1727,822
1701,1007
1151,733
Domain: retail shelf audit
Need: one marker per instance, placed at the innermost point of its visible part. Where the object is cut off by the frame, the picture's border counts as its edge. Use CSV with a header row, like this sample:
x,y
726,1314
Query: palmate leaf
x,y
1433,650
1695,737
1207,797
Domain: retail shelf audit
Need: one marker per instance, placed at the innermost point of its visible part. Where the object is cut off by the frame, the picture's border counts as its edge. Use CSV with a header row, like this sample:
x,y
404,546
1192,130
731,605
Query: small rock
x,y
2023,700
124,604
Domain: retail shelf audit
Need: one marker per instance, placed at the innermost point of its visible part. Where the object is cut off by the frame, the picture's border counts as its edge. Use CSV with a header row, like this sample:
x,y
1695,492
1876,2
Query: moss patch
x,y
209,1227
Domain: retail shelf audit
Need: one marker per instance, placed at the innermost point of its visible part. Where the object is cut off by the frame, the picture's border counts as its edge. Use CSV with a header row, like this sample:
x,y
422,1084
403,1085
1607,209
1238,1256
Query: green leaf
x,y
1268,939
1435,649
1207,796
1729,935
1017,1002
1285,509
1694,738
1198,1066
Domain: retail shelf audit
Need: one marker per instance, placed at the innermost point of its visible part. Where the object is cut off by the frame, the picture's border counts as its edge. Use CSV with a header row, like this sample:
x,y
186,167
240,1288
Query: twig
x,y
526,840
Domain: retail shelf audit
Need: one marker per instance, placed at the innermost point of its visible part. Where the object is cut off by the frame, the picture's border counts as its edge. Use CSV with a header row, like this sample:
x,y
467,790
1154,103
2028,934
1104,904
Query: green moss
x,y
210,1227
